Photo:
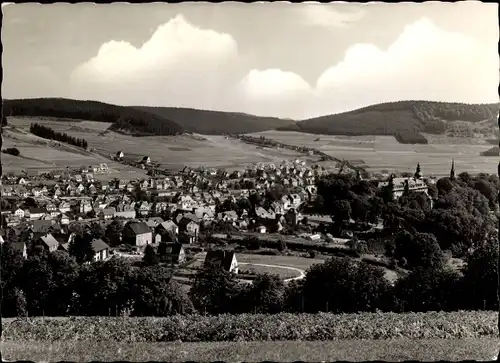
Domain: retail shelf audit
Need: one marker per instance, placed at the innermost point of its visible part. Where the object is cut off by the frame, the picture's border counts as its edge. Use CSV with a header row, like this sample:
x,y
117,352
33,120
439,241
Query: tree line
x,y
55,284
48,133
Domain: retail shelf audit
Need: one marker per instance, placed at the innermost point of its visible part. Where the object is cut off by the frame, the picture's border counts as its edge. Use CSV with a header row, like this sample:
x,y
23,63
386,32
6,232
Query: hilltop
x,y
123,119
406,120
218,122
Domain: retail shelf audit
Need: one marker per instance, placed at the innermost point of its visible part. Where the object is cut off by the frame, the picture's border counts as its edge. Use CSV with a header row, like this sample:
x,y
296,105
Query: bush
x,y
12,151
256,327
312,254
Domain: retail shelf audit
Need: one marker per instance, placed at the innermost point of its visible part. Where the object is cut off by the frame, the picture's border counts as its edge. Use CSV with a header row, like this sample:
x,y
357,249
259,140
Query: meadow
x,y
171,152
380,153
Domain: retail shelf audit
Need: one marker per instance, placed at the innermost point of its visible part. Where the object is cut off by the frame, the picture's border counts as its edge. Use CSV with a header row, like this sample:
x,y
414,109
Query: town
x,y
178,208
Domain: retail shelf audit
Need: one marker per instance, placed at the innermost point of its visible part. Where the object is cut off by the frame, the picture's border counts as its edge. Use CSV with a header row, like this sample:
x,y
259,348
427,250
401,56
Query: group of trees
x,y
461,214
56,284
48,133
12,151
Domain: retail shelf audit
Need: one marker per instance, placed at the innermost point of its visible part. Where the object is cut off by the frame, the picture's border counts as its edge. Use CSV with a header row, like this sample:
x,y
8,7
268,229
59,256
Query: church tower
x,y
452,171
418,172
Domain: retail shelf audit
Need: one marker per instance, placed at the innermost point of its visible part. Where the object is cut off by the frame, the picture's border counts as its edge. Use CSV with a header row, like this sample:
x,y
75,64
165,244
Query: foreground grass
x,y
279,351
257,327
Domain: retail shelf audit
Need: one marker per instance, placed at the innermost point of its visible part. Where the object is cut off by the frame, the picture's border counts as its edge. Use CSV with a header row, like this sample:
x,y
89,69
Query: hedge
x,y
255,327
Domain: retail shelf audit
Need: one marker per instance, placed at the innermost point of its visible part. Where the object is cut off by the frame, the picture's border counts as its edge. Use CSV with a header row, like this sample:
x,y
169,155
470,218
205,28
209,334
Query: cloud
x,y
424,62
327,17
176,55
185,66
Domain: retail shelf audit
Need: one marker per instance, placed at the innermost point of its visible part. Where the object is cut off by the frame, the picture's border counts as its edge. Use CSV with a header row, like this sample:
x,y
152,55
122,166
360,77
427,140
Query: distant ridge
x,y
124,119
403,119
209,122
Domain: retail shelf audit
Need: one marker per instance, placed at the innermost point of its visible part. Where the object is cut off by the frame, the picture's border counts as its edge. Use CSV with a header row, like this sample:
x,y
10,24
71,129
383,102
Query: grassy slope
x,y
217,122
123,118
392,117
279,351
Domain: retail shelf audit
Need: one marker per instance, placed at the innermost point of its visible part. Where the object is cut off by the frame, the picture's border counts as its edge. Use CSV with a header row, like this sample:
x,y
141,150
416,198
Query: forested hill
x,y
218,122
124,119
403,117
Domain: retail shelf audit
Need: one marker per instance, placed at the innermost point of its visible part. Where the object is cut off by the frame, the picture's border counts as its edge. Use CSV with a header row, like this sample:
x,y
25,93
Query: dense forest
x,y
406,119
125,119
216,122
48,133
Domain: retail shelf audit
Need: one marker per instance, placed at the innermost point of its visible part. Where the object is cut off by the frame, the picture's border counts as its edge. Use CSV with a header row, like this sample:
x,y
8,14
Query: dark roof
x,y
220,258
19,246
185,221
37,210
99,245
139,227
40,225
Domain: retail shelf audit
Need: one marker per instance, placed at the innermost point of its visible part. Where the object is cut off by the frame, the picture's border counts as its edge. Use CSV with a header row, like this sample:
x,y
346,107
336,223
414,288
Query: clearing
x,y
277,351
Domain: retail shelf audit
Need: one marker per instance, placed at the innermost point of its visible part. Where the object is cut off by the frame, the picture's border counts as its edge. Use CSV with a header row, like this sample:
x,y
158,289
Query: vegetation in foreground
x,y
125,119
281,351
256,327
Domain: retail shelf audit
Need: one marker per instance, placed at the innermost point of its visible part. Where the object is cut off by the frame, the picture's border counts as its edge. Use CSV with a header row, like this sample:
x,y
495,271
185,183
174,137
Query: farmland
x,y
379,153
41,155
171,152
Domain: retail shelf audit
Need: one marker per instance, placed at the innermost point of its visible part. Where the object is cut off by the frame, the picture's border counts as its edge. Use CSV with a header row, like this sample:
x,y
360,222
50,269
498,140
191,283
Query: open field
x,y
278,351
172,152
43,155
385,153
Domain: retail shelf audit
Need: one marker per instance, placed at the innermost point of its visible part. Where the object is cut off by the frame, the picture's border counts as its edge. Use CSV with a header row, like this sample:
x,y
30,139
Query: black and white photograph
x,y
237,182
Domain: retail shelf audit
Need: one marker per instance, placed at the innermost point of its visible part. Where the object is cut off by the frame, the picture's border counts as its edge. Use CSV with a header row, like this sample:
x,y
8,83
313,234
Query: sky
x,y
271,59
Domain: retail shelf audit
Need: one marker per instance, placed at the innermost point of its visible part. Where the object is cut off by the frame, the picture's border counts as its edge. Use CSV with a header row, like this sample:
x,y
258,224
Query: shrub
x,y
312,254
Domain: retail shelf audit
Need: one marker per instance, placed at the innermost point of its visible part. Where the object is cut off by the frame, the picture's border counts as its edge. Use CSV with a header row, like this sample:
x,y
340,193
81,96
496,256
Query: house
x,y
48,242
41,226
146,160
106,213
64,207
120,155
21,247
64,219
168,226
78,178
101,250
225,259
171,252
261,229
137,234
154,222
35,213
19,213
189,225
228,216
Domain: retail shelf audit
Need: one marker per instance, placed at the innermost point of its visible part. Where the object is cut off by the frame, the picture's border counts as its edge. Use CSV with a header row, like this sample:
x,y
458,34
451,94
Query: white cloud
x,y
176,55
182,65
317,14
425,62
